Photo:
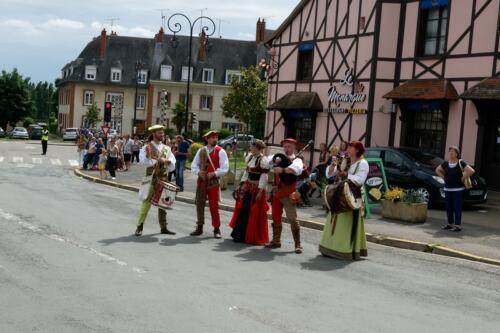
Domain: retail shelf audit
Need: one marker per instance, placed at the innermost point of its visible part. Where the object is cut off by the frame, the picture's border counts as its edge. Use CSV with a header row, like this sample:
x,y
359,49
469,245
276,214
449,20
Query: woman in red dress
x,y
249,221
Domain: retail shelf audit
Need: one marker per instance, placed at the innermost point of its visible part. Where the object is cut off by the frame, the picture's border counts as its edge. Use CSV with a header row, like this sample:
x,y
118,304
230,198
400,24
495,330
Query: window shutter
x,y
211,103
201,102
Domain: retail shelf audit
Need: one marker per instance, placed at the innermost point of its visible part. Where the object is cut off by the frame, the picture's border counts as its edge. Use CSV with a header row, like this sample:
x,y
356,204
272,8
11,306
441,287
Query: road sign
x,y
105,130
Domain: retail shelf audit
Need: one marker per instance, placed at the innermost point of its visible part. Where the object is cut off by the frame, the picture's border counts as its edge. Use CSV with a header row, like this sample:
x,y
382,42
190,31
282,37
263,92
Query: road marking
x,y
25,165
12,218
29,147
37,160
17,159
1,159
73,163
55,161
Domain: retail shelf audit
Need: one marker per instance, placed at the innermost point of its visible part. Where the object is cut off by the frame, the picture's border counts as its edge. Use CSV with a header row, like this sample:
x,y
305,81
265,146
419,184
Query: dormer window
x,y
232,75
187,72
208,75
90,72
116,75
166,72
142,77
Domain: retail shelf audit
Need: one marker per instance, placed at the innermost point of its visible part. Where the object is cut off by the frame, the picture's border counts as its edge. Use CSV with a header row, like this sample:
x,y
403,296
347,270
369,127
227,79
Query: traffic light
x,y
107,112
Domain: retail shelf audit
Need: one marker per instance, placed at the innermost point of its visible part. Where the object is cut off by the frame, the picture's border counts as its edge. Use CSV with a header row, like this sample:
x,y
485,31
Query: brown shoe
x,y
138,231
165,231
296,237
276,242
198,231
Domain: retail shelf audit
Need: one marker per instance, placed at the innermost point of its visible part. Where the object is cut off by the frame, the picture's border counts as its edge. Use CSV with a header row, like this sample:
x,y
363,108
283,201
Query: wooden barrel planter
x,y
415,212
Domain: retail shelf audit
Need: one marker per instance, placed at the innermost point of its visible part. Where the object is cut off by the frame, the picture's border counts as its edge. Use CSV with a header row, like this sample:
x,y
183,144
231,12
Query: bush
x,y
193,149
224,133
170,132
28,121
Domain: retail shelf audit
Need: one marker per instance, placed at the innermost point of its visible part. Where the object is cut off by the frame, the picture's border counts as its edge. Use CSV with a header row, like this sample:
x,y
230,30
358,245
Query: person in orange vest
x,y
210,164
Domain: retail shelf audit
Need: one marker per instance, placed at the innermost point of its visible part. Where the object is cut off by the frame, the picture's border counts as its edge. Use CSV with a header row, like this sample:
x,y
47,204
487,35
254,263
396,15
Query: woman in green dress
x,y
344,232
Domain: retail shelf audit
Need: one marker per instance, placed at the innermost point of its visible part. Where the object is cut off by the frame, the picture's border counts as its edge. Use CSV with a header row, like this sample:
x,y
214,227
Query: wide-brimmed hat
x,y
210,134
156,128
289,140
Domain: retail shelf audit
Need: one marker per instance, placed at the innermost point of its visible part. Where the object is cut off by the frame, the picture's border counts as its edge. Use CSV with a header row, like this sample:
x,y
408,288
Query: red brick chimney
x,y
160,36
260,34
202,48
102,51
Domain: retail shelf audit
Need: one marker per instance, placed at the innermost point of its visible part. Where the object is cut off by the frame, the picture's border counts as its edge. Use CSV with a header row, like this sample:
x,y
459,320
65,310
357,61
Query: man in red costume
x,y
286,183
210,164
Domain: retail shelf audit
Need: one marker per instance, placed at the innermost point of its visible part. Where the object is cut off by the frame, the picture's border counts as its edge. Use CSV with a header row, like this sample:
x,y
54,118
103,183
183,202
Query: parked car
x,y
242,141
35,133
19,133
70,134
414,168
2,133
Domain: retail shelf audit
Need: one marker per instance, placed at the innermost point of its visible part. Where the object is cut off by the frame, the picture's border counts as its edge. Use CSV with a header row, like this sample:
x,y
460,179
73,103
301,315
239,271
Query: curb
x,y
372,238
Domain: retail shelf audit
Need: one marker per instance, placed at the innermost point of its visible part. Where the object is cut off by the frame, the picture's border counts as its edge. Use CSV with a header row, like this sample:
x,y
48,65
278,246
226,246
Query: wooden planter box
x,y
416,213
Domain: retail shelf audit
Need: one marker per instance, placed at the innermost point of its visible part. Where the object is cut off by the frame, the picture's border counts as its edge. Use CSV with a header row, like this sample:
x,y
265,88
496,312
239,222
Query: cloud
x,y
18,25
63,24
137,31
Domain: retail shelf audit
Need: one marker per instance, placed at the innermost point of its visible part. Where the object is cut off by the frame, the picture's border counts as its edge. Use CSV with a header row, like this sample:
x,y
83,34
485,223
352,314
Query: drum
x,y
342,197
164,194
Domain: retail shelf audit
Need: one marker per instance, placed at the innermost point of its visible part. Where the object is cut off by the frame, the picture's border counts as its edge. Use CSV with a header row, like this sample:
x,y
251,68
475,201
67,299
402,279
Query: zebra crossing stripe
x,y
17,159
1,159
25,165
37,160
55,161
73,163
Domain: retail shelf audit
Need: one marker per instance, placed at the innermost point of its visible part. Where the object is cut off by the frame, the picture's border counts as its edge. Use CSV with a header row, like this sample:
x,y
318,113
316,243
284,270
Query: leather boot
x,y
276,242
138,231
296,237
162,220
198,231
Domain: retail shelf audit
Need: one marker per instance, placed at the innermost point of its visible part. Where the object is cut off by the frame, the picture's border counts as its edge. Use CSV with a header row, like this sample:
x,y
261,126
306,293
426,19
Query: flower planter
x,y
416,213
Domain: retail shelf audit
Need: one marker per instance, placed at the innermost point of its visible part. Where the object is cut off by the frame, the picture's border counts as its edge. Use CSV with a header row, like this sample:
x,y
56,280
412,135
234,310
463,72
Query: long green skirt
x,y
337,240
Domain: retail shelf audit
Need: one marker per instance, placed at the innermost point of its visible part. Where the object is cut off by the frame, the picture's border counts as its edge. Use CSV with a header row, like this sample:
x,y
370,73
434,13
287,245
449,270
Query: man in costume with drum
x,y
210,164
160,161
284,195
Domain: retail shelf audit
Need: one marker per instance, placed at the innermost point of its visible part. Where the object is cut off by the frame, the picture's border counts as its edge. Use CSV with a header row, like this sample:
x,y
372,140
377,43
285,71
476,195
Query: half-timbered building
x,y
417,73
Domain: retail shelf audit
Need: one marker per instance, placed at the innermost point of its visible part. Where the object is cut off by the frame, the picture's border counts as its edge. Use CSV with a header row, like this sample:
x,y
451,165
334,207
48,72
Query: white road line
x,y
1,159
37,160
55,161
29,147
73,163
25,165
17,159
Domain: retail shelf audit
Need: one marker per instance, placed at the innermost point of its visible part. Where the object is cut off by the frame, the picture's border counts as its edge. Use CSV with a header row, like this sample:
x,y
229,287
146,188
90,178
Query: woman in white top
x,y
249,221
344,232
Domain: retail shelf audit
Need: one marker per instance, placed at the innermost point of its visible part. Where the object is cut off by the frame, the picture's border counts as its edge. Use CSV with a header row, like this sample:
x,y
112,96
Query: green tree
x,y
179,117
28,121
93,115
15,101
246,101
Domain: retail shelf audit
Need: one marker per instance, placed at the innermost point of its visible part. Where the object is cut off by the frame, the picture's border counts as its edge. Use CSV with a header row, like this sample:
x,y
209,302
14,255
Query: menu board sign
x,y
375,184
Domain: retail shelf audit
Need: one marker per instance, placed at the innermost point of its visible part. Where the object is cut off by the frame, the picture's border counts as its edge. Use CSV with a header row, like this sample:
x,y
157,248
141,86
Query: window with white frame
x,y
187,72
208,75
116,75
232,75
90,72
88,97
142,77
141,101
206,102
166,72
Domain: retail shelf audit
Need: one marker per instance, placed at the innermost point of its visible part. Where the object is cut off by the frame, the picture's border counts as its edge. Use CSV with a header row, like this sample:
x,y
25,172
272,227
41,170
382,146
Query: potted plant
x,y
404,205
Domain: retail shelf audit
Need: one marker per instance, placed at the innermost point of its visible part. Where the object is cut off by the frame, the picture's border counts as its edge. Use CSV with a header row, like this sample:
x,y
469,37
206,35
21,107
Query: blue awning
x,y
428,4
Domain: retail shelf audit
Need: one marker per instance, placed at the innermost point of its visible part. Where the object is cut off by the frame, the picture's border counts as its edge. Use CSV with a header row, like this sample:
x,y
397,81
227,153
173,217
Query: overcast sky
x,y
38,37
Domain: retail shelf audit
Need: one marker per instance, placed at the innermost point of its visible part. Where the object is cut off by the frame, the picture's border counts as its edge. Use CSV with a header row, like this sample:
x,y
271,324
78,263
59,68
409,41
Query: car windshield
x,y
71,130
423,158
20,129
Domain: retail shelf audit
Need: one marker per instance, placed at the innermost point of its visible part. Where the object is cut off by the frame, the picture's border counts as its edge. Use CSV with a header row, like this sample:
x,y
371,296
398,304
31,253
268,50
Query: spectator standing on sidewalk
x,y
181,156
98,149
454,171
102,163
136,149
81,144
113,151
127,151
45,140
89,158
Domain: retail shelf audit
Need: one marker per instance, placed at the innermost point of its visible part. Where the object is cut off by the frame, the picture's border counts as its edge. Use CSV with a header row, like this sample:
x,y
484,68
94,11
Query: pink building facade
x,y
415,73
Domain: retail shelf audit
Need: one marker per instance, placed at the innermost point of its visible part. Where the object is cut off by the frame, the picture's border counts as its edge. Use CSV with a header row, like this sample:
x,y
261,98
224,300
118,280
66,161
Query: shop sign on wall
x,y
344,102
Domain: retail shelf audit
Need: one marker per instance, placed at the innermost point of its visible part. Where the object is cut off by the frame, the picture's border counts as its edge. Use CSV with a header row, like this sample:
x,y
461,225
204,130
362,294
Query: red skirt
x,y
249,220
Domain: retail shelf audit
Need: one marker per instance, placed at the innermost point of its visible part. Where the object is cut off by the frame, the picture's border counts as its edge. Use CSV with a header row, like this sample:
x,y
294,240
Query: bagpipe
x,y
282,161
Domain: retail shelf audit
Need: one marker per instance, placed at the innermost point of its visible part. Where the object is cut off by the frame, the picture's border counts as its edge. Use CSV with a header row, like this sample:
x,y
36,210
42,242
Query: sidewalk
x,y
481,235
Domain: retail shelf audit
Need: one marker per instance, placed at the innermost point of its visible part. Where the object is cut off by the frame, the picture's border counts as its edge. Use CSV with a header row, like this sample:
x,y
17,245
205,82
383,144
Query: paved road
x,y
69,263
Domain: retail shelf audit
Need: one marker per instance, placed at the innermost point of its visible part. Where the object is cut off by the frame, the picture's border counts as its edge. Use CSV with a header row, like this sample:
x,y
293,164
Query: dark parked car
x,y
2,133
243,141
35,133
414,168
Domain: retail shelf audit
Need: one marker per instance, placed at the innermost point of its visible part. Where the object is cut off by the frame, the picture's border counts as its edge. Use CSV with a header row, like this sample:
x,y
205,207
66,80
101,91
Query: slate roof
x,y
122,51
488,89
424,90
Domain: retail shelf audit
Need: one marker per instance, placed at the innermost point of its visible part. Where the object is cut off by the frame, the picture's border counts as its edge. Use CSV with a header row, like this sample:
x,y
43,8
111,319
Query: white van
x,y
70,134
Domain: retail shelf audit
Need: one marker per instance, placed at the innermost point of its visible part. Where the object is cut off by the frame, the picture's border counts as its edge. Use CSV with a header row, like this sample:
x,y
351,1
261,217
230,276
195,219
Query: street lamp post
x,y
138,67
175,26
